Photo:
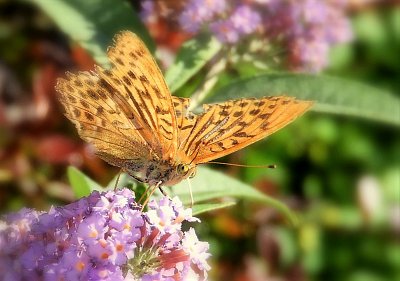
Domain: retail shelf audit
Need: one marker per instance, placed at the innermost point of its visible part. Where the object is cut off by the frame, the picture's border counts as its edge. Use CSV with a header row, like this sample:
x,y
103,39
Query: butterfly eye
x,y
182,168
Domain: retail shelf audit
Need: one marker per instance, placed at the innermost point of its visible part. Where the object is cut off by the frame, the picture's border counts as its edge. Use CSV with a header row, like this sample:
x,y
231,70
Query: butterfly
x,y
129,115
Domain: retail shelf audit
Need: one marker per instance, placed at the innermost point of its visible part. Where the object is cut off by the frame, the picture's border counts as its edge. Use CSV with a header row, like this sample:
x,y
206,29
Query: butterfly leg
x,y
162,191
116,182
152,190
144,194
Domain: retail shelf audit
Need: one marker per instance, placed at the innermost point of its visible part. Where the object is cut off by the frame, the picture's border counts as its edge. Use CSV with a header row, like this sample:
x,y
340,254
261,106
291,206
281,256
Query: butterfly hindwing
x,y
184,118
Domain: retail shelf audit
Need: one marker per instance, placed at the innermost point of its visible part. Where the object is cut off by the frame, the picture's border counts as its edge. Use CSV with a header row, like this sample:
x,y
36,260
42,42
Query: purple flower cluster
x,y
229,24
242,21
308,29
305,29
105,236
200,12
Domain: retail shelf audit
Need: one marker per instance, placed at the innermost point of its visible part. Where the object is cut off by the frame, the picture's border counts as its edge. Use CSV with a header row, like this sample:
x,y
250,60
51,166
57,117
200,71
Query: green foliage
x,y
210,184
207,185
192,56
93,23
81,184
206,207
321,157
331,94
81,21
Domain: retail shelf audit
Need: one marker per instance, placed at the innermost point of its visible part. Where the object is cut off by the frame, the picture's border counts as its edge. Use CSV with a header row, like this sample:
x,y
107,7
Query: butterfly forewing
x,y
227,127
144,90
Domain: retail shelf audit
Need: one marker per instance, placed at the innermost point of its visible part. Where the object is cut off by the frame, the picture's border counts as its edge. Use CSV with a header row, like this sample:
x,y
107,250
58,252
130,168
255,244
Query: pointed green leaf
x,y
207,207
209,184
331,94
80,183
192,56
93,23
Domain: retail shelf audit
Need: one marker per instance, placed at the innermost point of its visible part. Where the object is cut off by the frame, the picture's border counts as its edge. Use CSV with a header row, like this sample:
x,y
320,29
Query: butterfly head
x,y
186,170
182,171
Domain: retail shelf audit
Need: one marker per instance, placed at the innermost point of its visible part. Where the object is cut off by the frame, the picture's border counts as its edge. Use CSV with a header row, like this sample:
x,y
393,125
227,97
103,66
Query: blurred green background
x,y
340,174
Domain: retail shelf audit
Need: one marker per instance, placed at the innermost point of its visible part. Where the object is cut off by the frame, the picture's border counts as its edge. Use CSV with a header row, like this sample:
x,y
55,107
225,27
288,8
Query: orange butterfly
x,y
129,115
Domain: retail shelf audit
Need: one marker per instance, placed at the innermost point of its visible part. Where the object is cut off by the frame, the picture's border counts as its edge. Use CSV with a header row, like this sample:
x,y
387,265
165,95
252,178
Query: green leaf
x,y
331,94
80,183
93,23
209,184
206,207
192,56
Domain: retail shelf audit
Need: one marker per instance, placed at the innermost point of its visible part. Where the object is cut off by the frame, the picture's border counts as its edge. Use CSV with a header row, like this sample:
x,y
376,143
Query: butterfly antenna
x,y
273,166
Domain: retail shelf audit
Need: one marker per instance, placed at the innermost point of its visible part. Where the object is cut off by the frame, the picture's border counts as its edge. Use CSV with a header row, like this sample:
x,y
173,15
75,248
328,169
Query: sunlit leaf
x,y
93,23
81,184
207,207
209,184
332,95
192,56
